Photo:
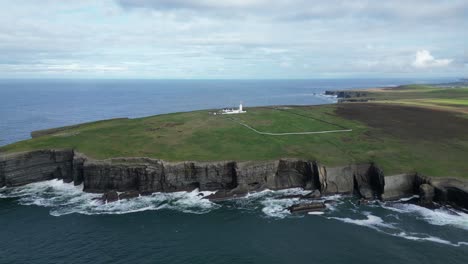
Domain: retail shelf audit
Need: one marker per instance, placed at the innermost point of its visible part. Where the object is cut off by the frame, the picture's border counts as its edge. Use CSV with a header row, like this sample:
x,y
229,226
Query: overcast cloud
x,y
233,38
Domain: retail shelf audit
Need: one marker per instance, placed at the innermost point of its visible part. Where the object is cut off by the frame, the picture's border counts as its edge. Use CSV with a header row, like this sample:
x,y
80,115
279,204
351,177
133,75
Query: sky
x,y
233,39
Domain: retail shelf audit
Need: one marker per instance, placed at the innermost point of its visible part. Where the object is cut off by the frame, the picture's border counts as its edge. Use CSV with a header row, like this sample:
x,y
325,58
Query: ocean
x,y
55,222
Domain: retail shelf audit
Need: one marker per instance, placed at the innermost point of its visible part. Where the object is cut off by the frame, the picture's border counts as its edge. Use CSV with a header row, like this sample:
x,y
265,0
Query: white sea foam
x,y
440,217
274,204
277,208
315,213
405,199
414,237
269,203
371,221
64,198
398,228
379,225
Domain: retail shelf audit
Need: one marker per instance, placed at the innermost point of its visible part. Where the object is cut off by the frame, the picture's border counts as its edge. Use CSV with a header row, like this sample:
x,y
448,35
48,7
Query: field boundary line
x,y
289,133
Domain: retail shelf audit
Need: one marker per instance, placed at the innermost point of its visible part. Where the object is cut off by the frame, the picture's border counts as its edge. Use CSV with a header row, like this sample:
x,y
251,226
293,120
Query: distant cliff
x,y
145,176
349,96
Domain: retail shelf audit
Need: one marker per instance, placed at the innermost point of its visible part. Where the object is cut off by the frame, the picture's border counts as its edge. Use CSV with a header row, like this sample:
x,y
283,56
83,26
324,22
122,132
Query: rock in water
x,y
110,196
129,195
312,195
304,208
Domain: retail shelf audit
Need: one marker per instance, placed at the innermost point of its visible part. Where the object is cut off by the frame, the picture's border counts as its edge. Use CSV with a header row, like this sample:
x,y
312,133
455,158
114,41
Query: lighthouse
x,y
229,111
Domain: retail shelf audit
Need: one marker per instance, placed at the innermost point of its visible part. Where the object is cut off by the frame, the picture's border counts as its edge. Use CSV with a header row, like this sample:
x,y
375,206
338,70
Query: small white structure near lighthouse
x,y
230,111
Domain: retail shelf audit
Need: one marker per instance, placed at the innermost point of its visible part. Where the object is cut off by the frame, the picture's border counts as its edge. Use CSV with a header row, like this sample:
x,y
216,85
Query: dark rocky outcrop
x,y
309,207
449,190
293,173
129,195
223,195
207,176
110,196
336,180
123,174
141,176
312,195
347,94
26,167
151,175
78,162
369,181
366,180
426,194
399,186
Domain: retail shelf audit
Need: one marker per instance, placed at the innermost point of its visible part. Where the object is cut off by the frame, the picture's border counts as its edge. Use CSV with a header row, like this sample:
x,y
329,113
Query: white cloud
x,y
61,68
424,59
245,38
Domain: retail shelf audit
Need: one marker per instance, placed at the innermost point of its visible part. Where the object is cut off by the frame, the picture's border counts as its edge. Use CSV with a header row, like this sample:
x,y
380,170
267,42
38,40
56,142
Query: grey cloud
x,y
157,39
300,10
192,4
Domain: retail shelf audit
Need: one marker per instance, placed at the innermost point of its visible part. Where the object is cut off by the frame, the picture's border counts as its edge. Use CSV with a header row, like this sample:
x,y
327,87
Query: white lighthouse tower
x,y
227,111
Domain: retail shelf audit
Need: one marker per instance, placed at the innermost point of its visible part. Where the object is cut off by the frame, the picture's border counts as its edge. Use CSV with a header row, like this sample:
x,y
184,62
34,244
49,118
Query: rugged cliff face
x,y
151,175
144,175
27,167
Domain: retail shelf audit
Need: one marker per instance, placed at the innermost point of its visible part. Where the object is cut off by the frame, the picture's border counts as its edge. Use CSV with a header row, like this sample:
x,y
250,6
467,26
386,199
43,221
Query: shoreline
x,y
125,178
128,177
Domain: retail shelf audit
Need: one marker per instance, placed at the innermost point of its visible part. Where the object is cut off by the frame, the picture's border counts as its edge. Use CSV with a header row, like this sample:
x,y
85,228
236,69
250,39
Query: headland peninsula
x,y
382,143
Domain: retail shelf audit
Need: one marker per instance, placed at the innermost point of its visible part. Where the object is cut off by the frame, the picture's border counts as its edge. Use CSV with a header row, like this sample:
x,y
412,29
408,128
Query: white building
x,y
230,111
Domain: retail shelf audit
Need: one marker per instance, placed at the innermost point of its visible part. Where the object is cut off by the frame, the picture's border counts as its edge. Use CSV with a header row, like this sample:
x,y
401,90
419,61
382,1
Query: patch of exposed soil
x,y
407,122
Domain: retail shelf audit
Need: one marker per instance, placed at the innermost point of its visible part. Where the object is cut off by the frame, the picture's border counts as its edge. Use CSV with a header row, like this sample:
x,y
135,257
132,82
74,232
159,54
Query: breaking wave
x,y
64,198
393,219
274,204
440,217
371,221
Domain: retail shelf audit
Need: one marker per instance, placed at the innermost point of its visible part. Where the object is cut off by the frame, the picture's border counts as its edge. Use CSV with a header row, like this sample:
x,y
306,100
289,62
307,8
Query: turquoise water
x,y
54,222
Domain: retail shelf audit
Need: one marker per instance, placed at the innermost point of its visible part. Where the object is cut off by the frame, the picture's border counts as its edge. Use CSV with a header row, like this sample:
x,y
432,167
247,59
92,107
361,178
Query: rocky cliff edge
x,y
230,178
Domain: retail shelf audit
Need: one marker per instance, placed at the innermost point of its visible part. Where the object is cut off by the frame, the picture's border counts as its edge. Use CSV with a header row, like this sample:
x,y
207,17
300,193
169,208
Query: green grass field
x,y
424,95
399,138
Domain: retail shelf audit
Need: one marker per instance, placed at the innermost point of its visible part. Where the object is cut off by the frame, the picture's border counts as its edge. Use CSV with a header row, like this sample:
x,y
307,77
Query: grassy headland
x,y
408,128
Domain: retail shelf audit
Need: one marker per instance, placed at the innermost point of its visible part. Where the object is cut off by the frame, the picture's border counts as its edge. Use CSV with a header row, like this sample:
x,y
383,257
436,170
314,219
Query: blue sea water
x,y
27,105
55,222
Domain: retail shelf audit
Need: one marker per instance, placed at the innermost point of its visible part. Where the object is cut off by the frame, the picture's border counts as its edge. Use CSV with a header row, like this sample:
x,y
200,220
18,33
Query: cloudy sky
x,y
233,38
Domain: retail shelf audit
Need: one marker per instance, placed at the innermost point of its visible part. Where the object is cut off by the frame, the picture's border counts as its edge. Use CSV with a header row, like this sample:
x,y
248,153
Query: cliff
x,y
145,175
350,95
27,167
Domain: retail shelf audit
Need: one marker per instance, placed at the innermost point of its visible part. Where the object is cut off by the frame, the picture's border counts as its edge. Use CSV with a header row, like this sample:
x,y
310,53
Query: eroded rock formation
x,y
140,176
27,167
